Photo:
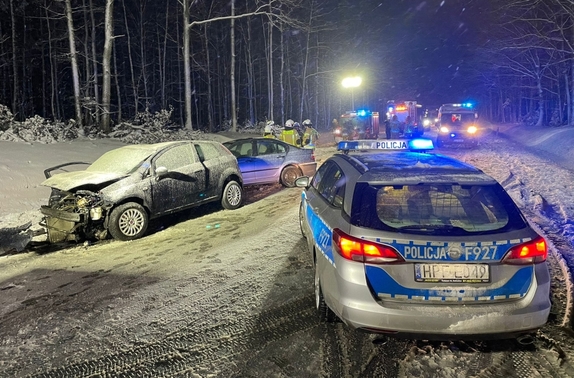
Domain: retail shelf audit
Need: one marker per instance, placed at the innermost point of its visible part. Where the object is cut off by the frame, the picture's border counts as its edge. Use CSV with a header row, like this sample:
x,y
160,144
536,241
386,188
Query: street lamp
x,y
352,82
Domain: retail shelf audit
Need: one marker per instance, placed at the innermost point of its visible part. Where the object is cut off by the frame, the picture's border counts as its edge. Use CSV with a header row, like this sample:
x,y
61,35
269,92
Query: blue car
x,y
268,161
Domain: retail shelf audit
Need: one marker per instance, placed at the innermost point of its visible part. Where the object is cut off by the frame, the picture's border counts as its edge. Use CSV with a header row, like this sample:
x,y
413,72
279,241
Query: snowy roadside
x,y
22,165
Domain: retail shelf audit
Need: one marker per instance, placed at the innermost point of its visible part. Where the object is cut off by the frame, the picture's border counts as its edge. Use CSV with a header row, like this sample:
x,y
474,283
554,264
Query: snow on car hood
x,y
70,180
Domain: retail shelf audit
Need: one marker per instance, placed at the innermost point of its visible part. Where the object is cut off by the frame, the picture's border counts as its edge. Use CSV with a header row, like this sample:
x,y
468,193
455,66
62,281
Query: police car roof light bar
x,y
419,144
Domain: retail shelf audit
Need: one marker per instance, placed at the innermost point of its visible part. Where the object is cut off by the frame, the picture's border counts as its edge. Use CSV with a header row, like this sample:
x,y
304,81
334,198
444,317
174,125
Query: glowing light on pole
x,y
352,82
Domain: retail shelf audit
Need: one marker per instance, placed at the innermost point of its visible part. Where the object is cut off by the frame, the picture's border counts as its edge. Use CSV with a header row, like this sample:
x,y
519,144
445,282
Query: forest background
x,y
222,64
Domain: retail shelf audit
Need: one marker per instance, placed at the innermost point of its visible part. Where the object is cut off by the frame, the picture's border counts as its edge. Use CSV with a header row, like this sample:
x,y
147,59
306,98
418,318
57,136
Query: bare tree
x,y
232,70
74,63
106,66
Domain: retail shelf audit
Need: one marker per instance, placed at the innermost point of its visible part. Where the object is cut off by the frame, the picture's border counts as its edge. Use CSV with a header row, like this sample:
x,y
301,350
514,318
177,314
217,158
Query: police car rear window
x,y
435,209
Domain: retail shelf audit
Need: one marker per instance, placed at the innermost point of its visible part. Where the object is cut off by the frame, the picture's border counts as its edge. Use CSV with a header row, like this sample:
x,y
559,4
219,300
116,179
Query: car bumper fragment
x,y
308,169
60,214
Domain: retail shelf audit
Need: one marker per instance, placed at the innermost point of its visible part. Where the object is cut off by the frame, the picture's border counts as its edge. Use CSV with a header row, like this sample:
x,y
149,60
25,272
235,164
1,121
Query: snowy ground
x,y
182,297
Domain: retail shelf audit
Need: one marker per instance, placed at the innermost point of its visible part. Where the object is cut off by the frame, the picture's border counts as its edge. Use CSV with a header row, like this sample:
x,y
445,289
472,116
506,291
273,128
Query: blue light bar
x,y
386,144
361,113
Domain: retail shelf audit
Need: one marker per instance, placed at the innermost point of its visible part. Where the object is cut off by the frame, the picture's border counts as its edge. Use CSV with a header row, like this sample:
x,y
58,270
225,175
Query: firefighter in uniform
x,y
395,125
268,131
311,135
289,134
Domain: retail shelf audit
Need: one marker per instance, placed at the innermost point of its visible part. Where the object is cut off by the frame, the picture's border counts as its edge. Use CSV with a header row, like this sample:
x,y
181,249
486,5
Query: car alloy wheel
x,y
289,175
232,196
128,221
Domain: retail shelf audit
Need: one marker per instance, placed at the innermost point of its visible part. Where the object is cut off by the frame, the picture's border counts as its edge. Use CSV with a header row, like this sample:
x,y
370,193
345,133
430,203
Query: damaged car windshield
x,y
123,161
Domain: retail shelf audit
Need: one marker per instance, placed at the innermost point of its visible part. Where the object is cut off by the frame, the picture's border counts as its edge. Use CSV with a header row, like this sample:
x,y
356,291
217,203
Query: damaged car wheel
x,y
128,221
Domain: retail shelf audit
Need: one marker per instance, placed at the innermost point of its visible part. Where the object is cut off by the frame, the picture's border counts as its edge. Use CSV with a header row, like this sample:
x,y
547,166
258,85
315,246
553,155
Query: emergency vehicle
x,y
403,110
457,124
360,124
420,245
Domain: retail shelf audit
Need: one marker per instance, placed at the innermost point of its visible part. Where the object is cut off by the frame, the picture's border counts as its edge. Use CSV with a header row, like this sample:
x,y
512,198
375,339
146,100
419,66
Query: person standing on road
x,y
268,131
395,126
311,135
388,127
289,134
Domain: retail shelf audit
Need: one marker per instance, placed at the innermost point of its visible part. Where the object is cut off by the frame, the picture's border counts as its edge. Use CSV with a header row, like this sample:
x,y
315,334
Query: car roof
x,y
413,168
152,147
258,138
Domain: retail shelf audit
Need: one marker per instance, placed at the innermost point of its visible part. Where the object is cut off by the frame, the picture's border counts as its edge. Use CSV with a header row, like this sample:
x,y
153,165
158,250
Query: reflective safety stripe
x,y
387,288
322,234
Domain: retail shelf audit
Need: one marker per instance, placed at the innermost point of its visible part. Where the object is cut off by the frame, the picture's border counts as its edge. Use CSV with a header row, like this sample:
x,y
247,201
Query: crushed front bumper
x,y
60,225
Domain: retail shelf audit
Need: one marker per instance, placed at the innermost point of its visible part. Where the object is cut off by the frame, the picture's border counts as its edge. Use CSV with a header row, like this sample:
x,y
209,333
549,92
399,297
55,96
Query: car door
x,y
214,164
271,158
182,181
243,151
324,213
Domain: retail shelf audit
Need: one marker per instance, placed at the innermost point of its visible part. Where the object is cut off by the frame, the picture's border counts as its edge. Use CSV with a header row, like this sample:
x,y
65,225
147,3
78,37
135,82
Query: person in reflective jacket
x,y
311,135
289,134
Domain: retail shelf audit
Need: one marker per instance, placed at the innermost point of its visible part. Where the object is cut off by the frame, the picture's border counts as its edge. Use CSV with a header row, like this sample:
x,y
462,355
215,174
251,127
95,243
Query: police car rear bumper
x,y
358,309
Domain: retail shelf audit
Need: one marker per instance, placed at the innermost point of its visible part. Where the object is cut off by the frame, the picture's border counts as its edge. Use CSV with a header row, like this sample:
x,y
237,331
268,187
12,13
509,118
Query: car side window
x,y
317,178
330,182
267,147
207,151
176,157
240,149
280,148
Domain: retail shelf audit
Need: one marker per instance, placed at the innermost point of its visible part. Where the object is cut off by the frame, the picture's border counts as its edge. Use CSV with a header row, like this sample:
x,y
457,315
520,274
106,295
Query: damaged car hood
x,y
70,180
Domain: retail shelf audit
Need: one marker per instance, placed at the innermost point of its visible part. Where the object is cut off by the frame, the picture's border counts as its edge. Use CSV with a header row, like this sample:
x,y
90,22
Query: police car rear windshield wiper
x,y
434,228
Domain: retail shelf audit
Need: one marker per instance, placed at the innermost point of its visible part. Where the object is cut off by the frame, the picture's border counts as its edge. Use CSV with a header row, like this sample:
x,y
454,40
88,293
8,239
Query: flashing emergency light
x,y
419,144
467,105
401,108
362,112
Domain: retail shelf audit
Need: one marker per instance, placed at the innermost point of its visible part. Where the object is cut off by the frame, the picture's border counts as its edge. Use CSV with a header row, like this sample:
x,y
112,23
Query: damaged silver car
x,y
123,189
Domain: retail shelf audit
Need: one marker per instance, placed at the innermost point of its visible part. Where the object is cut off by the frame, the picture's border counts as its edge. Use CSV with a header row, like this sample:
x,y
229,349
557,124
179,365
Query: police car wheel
x,y
301,220
289,175
323,311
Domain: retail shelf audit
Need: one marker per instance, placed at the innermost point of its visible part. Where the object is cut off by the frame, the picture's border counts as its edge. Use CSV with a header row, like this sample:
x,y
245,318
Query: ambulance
x,y
457,125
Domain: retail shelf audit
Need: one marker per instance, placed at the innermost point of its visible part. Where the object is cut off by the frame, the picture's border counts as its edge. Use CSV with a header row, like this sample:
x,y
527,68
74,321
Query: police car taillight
x,y
534,251
360,250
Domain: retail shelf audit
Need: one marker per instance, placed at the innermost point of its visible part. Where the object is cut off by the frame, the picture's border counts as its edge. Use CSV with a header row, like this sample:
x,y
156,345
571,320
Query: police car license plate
x,y
452,273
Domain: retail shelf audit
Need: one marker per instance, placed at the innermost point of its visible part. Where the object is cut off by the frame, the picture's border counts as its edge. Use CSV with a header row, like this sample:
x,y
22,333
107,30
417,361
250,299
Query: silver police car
x,y
421,245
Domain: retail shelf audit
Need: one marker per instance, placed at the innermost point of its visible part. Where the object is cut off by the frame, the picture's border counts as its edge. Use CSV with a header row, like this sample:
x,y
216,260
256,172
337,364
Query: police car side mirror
x,y
302,182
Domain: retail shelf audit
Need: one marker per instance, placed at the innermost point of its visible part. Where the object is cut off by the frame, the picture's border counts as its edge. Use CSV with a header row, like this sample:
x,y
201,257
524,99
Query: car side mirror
x,y
161,172
302,182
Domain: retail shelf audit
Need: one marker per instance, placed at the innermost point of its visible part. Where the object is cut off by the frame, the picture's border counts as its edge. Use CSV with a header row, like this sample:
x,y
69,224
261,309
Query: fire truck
x,y
410,127
360,124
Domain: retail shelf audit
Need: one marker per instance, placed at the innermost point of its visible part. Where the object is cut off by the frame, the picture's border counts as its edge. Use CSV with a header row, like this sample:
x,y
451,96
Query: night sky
x,y
424,51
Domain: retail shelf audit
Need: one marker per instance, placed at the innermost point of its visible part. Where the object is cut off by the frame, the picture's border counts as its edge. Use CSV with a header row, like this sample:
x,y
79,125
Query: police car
x,y
414,244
